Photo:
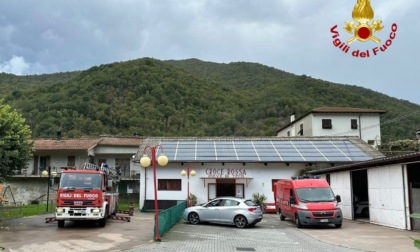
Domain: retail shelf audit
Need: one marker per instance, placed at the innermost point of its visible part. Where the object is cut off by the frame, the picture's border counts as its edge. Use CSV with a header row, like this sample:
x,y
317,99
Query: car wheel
x,y
193,218
240,221
60,223
282,218
298,224
338,225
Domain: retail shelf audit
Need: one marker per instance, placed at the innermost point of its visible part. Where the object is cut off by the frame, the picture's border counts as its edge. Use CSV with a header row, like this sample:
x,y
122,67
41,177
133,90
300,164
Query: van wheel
x,y
298,224
240,221
338,225
282,218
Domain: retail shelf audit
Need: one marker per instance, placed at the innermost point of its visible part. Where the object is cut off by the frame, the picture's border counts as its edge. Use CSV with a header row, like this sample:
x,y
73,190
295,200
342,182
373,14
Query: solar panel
x,y
263,151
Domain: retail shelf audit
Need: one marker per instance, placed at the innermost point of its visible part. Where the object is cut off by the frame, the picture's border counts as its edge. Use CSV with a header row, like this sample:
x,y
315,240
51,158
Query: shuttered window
x,y
326,124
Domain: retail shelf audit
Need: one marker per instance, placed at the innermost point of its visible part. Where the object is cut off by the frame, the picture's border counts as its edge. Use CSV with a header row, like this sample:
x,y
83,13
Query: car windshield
x,y
322,194
80,181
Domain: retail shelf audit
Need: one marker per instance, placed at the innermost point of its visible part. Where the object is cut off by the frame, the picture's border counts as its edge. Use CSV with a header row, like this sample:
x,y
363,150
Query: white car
x,y
225,210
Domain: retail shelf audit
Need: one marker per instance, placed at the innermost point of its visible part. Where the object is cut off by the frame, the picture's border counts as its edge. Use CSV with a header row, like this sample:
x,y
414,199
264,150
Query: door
x,y
287,208
225,187
211,211
360,194
228,210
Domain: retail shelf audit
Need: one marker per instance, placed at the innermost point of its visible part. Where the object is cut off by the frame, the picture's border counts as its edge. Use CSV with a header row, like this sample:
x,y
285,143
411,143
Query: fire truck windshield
x,y
323,194
80,181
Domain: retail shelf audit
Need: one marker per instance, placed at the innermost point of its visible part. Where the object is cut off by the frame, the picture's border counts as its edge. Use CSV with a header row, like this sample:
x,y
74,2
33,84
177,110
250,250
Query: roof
x,y
67,144
407,158
84,143
121,141
344,110
261,149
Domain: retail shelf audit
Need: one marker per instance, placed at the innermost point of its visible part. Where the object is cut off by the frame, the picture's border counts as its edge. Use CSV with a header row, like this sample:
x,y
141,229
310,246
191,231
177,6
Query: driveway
x,y
33,234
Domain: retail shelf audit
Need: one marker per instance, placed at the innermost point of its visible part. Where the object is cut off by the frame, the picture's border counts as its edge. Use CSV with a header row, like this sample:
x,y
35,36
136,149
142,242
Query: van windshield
x,y
323,194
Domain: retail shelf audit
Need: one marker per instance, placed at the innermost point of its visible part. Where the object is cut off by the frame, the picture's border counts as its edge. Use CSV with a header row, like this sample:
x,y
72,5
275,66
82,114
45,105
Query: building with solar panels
x,y
241,166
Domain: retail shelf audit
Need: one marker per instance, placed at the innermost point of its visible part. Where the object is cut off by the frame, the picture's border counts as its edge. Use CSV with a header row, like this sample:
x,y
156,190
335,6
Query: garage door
x,y
386,196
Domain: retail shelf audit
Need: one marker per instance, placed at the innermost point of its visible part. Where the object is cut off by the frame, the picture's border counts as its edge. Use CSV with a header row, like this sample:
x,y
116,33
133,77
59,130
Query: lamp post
x,y
50,175
188,173
145,162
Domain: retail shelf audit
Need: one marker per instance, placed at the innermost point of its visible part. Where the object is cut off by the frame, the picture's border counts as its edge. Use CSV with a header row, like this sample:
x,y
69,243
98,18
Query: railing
x,y
17,210
169,217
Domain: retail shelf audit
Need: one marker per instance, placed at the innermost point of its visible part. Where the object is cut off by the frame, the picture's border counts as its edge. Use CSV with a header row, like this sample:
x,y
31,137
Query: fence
x,y
17,210
169,217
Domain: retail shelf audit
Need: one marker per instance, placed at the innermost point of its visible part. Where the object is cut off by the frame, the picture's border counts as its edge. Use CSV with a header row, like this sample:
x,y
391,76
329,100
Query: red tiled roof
x,y
65,144
121,141
346,110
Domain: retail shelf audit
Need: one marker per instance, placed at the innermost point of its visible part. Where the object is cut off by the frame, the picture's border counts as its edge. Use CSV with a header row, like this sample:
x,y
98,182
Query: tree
x,y
15,145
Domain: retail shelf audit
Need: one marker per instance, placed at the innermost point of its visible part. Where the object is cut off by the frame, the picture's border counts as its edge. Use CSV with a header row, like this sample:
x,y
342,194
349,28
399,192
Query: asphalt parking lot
x,y
33,234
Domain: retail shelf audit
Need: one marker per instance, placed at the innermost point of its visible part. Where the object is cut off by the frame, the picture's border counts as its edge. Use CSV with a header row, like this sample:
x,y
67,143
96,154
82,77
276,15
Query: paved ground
x,y
269,235
33,234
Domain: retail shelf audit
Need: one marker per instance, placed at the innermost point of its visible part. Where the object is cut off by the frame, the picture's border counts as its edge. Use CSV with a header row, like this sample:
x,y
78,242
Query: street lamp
x,y
188,173
145,162
47,173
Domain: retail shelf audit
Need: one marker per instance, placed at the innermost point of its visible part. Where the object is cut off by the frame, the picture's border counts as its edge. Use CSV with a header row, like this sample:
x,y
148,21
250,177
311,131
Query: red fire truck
x,y
86,194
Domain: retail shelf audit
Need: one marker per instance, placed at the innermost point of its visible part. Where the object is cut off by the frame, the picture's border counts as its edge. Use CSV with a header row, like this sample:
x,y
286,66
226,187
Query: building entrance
x,y
225,187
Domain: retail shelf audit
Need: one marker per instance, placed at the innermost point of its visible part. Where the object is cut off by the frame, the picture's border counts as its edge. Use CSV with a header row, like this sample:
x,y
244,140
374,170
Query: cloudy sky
x,y
48,36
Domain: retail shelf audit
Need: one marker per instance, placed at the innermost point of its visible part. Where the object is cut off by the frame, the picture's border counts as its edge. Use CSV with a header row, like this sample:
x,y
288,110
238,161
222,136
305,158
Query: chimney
x,y
58,135
292,117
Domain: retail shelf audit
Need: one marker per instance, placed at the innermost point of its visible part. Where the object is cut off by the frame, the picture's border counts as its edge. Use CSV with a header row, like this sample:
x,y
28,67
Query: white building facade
x,y
337,121
238,167
392,188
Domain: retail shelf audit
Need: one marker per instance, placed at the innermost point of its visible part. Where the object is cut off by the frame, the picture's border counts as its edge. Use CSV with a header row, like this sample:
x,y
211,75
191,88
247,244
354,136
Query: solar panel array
x,y
263,151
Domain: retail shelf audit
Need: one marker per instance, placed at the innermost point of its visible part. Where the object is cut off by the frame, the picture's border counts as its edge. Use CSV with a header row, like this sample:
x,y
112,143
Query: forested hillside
x,y
150,97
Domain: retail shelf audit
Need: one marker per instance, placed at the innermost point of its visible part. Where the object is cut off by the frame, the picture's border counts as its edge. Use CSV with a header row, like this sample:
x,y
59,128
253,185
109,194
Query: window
x,y
354,124
169,184
300,129
288,133
326,124
371,142
71,161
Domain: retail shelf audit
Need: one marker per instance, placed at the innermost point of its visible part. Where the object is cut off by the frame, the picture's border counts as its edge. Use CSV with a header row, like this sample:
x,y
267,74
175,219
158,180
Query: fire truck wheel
x,y
102,222
60,223
282,218
115,210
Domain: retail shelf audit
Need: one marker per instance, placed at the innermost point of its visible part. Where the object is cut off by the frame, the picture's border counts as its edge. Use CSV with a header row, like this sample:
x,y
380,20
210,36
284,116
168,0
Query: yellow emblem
x,y
363,14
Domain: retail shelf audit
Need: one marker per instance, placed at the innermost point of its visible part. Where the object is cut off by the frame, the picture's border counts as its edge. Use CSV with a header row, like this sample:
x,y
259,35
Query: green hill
x,y
190,97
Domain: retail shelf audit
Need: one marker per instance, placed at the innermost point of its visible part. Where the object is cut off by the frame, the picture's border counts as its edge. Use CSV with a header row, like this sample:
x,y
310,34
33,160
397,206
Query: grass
x,y
16,211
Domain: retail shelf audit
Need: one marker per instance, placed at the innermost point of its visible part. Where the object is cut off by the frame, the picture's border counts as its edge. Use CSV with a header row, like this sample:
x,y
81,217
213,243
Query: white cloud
x,y
16,65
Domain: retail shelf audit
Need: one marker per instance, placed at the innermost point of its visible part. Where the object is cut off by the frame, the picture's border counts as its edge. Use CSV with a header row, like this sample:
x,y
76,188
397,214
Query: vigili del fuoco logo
x,y
363,30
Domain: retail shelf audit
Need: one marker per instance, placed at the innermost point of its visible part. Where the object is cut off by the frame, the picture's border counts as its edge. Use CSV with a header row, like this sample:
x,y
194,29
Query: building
x,y
336,121
239,167
59,154
390,186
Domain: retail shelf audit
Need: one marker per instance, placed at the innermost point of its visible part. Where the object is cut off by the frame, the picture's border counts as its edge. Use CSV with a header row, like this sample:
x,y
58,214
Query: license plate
x,y
323,220
79,211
